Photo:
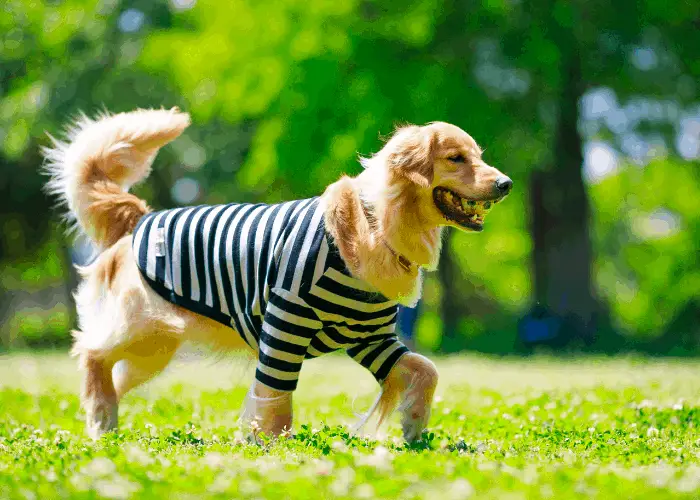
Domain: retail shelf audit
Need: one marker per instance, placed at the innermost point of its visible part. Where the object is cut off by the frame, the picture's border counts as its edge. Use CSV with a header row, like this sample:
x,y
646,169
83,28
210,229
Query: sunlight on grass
x,y
530,428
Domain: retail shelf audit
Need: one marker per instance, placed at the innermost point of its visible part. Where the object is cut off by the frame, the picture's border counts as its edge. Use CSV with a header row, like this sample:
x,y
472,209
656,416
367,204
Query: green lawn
x,y
502,429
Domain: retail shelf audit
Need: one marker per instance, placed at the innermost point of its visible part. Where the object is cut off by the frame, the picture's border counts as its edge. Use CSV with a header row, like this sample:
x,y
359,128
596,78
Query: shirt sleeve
x,y
288,326
379,357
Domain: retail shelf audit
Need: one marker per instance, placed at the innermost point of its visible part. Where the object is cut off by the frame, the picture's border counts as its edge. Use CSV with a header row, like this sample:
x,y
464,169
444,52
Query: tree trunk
x,y
560,222
452,301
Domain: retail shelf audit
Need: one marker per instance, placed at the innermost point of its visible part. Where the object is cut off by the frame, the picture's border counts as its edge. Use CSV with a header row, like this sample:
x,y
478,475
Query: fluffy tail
x,y
92,172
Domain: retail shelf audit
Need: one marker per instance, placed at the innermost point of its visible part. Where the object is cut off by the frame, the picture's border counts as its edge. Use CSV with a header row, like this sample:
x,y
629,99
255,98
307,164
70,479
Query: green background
x,y
593,103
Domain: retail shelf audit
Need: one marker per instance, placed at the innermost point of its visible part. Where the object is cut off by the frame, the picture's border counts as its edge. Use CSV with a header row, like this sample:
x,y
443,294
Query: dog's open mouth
x,y
464,212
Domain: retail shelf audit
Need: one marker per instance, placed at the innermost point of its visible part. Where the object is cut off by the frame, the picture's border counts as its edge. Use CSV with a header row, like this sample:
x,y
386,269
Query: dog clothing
x,y
274,274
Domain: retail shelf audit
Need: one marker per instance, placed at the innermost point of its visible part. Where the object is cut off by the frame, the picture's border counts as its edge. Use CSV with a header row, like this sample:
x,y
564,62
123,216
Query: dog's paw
x,y
101,420
413,422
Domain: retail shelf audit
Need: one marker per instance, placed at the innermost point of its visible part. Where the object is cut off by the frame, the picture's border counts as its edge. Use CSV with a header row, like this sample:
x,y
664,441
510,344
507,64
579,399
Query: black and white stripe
x,y
273,274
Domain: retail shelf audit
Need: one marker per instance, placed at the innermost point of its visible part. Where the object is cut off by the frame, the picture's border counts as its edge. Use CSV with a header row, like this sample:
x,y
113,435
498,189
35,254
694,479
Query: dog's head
x,y
443,164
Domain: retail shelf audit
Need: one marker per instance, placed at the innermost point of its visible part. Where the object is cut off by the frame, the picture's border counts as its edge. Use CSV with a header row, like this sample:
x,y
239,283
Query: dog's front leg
x,y
412,384
267,410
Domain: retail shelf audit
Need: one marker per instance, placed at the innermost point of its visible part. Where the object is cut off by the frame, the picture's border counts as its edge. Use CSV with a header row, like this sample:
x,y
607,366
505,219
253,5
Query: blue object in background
x,y
406,322
535,330
540,326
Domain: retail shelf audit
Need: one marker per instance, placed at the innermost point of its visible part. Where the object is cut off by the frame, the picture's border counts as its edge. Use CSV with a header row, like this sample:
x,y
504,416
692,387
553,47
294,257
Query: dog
x,y
287,282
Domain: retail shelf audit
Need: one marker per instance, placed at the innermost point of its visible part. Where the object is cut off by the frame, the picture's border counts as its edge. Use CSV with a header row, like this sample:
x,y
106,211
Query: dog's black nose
x,y
504,184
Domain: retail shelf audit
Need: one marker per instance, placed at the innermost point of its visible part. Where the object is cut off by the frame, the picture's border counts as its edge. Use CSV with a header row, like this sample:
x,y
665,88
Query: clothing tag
x,y
160,242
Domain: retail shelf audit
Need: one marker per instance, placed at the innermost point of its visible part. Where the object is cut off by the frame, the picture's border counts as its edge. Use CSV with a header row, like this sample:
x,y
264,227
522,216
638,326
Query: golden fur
x,y
397,184
127,333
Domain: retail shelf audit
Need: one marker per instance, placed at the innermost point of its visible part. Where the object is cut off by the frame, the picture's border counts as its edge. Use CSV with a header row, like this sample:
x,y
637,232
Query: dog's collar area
x,y
402,261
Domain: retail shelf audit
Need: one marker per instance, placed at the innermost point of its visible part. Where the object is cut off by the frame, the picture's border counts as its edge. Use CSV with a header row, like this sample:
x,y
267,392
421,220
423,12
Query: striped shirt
x,y
274,274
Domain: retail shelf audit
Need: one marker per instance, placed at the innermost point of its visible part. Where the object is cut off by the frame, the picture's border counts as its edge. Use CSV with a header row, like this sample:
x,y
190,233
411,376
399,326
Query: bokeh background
x,y
592,107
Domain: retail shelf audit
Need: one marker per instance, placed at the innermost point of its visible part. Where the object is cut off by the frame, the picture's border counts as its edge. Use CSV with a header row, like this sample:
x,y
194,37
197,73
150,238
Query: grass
x,y
509,428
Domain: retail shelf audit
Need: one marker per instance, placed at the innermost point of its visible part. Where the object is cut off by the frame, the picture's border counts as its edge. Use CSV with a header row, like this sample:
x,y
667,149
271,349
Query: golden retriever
x,y
386,223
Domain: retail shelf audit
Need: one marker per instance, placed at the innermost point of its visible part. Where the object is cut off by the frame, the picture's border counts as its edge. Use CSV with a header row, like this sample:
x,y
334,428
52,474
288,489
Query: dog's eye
x,y
457,159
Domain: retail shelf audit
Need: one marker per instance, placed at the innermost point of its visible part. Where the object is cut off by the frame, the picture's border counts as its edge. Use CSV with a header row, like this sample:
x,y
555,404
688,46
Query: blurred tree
x,y
56,58
646,229
557,52
285,94
560,207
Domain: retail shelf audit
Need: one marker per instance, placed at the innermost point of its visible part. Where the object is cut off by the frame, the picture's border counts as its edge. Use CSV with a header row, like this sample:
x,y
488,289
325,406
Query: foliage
x,y
652,276
589,428
286,94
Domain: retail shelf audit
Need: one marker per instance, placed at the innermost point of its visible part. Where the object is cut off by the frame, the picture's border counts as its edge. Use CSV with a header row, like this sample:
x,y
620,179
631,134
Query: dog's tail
x,y
93,170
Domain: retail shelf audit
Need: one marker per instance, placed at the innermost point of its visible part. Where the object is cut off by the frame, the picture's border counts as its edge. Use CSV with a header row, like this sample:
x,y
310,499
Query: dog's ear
x,y
413,154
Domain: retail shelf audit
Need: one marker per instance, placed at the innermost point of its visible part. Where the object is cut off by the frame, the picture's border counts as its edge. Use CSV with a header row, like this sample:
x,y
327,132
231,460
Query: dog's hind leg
x,y
108,375
121,320
142,361
98,396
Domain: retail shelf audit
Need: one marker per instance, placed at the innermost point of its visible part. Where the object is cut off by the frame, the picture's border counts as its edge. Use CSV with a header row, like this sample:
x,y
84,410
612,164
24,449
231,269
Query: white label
x,y
160,242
